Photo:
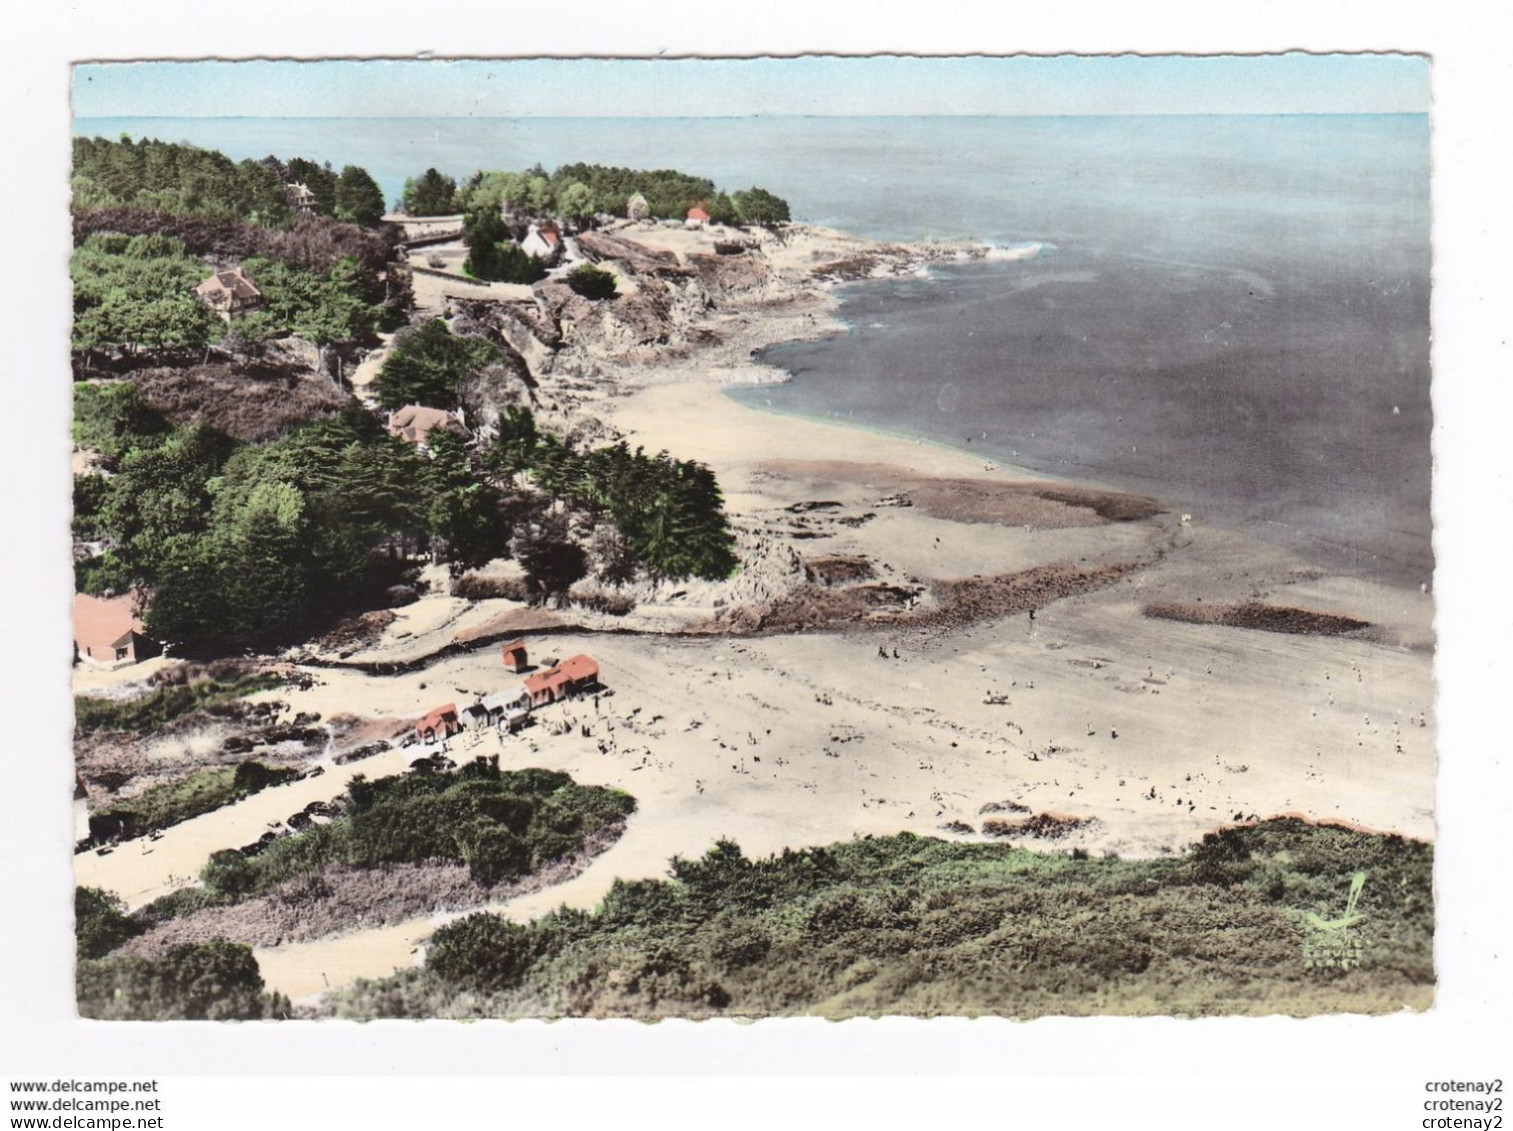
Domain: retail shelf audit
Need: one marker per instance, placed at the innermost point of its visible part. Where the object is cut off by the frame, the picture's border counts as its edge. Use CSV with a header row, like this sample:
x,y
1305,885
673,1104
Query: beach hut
x,y
513,654
571,677
475,716
696,218
439,724
508,709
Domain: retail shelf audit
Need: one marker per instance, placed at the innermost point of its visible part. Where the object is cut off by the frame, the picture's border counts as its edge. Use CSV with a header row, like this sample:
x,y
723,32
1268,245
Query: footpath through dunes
x,y
139,871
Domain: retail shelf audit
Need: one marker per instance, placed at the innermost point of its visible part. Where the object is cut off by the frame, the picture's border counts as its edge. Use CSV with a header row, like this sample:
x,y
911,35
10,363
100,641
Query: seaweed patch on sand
x,y
1259,616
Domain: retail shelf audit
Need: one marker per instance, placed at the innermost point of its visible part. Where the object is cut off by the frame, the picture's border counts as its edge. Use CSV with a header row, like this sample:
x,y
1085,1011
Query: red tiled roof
x,y
573,670
436,718
233,282
102,623
415,422
543,681
578,668
697,214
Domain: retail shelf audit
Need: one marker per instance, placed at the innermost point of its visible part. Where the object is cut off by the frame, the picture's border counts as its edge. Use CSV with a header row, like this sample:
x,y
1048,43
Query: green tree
x,y
259,195
514,447
434,194
428,366
759,207
324,310
114,419
265,552
484,232
463,515
358,198
722,209
576,201
128,298
319,179
553,563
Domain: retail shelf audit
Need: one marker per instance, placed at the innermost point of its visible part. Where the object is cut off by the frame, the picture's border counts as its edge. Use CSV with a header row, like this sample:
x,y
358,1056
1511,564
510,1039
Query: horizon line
x,y
743,117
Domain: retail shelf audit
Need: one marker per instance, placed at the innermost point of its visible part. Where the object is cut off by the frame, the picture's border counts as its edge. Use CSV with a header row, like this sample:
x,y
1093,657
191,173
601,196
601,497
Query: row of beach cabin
x,y
510,708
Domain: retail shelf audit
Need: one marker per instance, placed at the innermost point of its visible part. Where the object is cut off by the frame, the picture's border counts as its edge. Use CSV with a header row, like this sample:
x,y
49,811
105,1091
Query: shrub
x,y
482,952
500,824
471,587
215,981
165,705
592,282
100,925
907,924
610,604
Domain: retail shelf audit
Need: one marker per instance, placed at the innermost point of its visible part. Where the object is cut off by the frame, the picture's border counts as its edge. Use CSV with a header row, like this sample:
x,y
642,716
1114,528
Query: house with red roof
x,y
108,630
415,423
230,292
544,241
439,724
571,677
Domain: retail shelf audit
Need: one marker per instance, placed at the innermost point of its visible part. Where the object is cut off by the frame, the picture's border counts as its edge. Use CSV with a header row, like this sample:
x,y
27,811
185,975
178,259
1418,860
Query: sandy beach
x,y
1149,731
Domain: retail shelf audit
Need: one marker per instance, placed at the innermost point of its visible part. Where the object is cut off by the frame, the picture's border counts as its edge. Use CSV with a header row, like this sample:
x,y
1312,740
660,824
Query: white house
x,y
543,241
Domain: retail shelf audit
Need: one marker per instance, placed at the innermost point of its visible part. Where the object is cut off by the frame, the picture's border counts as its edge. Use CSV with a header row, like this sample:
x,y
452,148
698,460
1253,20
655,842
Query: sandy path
x,y
141,870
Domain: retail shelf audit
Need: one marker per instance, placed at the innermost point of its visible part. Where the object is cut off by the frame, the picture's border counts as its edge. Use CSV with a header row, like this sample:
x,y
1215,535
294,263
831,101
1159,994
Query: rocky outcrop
x,y
634,257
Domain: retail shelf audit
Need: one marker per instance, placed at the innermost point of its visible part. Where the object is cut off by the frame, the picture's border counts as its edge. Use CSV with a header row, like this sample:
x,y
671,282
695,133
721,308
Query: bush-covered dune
x,y
907,925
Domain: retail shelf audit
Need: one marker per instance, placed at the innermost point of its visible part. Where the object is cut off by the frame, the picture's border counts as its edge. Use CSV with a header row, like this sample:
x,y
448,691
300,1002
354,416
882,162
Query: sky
x,y
1294,83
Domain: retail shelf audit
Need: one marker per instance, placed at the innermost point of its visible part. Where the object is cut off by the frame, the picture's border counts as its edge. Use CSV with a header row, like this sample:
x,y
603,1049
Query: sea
x,y
1230,313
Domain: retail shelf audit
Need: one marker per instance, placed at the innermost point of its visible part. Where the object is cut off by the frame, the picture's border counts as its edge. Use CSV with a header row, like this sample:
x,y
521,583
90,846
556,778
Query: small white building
x,y
543,241
509,708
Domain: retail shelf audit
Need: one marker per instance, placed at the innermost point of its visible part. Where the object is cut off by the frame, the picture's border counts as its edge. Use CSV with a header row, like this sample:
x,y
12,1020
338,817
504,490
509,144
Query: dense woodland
x,y
239,541
189,181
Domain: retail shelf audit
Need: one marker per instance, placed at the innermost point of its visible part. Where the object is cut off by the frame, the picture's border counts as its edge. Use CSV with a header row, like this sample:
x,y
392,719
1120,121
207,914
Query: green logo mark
x,y
1331,943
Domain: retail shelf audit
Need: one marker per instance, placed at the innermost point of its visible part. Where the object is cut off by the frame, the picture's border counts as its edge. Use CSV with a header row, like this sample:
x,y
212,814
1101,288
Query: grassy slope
x,y
919,926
